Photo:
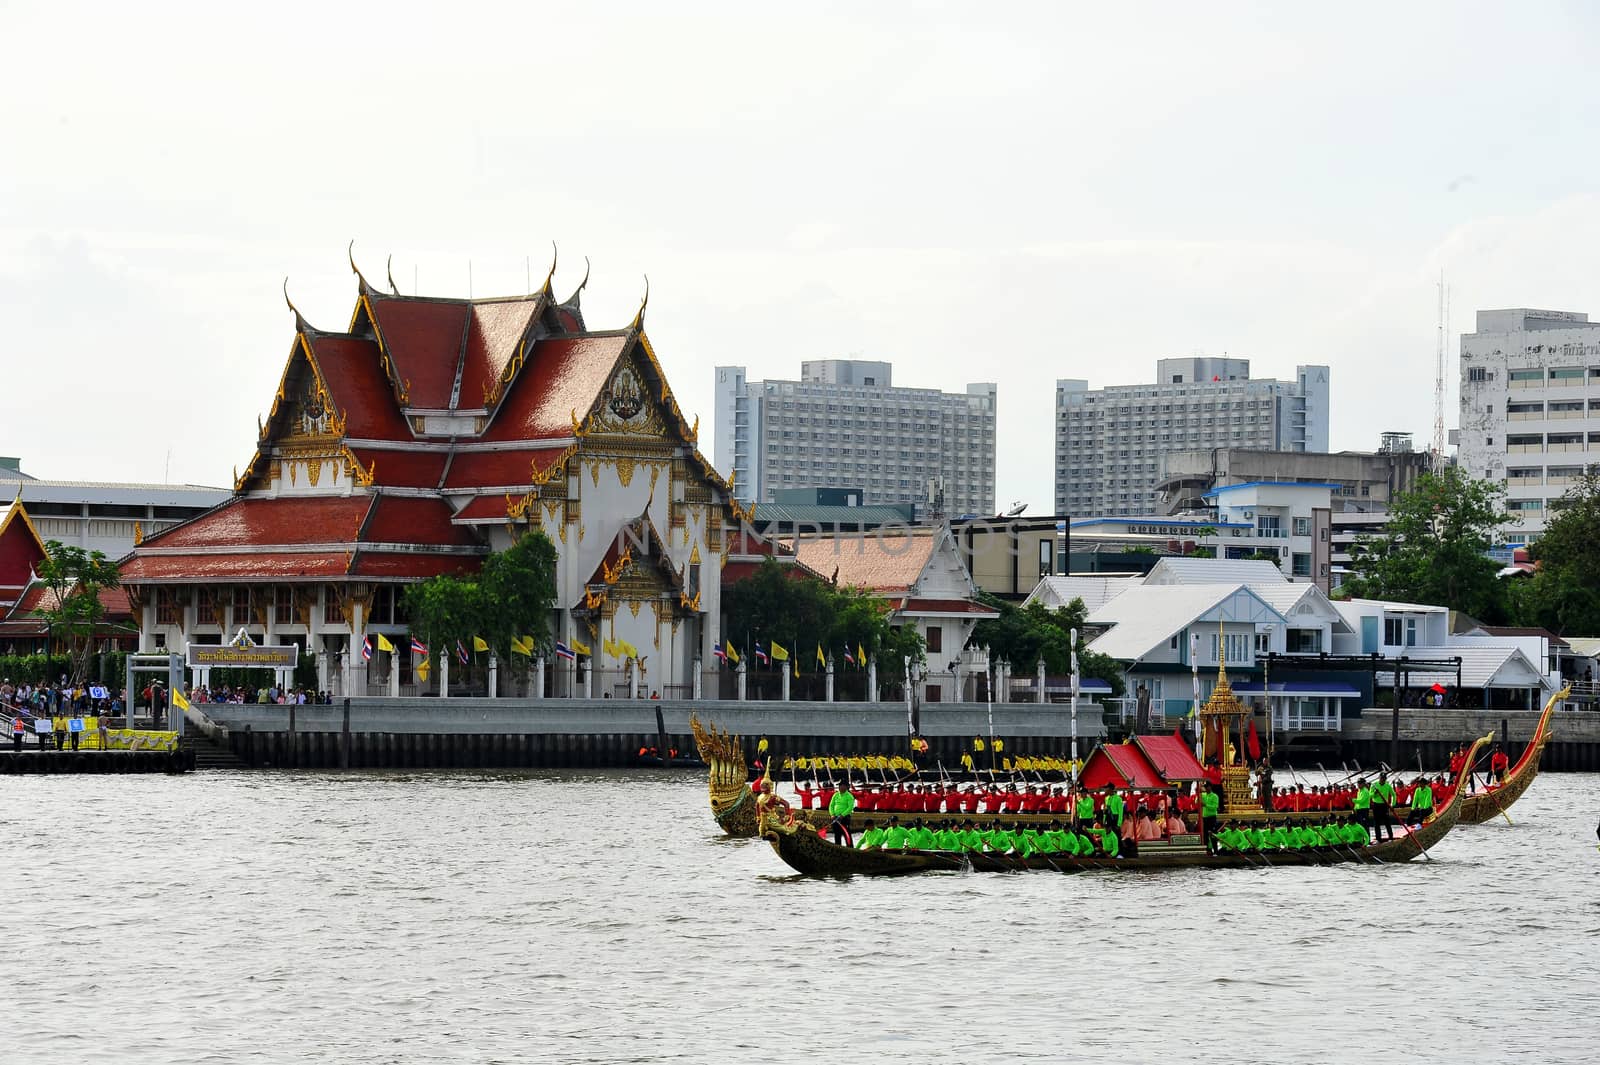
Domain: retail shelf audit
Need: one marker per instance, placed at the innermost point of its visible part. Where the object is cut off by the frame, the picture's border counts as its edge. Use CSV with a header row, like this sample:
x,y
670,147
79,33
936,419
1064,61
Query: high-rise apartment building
x,y
845,424
1109,441
1530,407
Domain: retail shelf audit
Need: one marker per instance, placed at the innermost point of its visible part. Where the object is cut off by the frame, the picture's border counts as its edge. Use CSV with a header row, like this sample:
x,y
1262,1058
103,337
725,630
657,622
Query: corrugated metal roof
x,y
1095,592
1215,571
1143,617
1483,665
1587,646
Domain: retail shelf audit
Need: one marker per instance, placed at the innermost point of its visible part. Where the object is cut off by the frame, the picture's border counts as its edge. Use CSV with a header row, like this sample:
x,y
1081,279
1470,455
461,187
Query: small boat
x,y
733,804
803,849
1481,806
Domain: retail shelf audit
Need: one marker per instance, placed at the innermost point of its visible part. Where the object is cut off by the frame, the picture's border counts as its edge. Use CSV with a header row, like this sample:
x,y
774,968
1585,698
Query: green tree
x,y
1563,594
782,603
1023,635
75,578
517,594
1436,551
513,595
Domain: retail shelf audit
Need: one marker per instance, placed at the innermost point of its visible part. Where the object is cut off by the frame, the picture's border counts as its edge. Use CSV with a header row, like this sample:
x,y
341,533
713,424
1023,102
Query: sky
x,y
1012,193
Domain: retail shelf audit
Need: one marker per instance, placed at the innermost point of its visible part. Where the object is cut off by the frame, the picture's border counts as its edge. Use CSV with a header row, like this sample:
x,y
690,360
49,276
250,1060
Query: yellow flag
x,y
780,653
521,646
861,657
479,643
384,644
609,646
627,650
579,647
177,700
822,659
794,664
422,669
733,656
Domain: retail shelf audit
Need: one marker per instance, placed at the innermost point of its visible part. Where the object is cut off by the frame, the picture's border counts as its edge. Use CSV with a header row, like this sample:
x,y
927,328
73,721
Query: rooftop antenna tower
x,y
1438,375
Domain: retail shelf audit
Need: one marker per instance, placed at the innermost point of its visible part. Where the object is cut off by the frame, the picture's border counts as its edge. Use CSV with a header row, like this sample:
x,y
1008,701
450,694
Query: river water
x,y
598,917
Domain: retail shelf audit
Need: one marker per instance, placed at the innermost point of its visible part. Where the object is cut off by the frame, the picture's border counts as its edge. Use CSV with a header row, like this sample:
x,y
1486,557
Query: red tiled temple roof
x,y
561,375
402,469
492,339
424,339
356,384
114,601
947,606
500,469
414,520
482,508
244,521
384,564
244,566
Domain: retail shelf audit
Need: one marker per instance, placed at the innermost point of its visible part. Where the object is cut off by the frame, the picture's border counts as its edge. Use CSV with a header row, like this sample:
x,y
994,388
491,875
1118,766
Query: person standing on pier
x,y
18,729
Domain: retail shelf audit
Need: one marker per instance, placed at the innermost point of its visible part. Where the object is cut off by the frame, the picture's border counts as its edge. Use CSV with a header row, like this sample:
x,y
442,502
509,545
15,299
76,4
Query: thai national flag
x,y
849,658
761,655
719,653
418,647
563,651
461,653
366,649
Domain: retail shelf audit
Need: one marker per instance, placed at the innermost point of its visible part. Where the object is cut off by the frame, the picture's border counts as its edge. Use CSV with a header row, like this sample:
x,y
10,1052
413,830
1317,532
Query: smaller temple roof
x,y
1120,765
886,564
1171,757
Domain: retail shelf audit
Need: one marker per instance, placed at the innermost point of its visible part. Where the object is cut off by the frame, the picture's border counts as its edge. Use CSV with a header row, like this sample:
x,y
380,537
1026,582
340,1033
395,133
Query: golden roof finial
x,y
638,319
581,284
555,255
388,269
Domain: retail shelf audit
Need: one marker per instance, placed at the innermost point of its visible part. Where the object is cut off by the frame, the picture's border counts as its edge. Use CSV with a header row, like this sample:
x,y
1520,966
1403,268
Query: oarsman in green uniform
x,y
1383,807
840,807
871,838
1421,803
1210,810
1361,805
1113,809
894,837
1108,839
1083,811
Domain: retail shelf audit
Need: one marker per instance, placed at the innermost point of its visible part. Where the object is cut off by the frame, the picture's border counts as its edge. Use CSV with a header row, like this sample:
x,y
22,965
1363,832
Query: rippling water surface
x,y
389,917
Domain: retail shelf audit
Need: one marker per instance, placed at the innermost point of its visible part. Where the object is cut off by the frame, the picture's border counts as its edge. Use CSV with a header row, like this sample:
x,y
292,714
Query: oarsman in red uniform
x,y
1499,762
1458,759
806,793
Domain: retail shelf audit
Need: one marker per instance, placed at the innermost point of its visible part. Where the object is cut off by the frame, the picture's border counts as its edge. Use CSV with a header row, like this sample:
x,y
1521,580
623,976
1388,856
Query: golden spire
x,y
638,319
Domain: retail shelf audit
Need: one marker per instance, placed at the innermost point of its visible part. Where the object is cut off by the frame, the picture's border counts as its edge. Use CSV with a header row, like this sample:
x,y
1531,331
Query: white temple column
x,y
394,673
538,679
494,676
1039,695
828,682
356,673
785,674
444,672
739,678
872,679
696,679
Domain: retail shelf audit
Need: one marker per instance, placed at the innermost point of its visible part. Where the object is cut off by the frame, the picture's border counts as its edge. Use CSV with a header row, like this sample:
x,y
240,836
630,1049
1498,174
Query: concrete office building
x,y
1109,441
1530,408
1364,482
103,516
845,423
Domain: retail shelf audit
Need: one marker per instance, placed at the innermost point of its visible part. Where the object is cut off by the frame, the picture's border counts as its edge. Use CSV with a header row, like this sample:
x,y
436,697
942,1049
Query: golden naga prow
x,y
732,802
1478,807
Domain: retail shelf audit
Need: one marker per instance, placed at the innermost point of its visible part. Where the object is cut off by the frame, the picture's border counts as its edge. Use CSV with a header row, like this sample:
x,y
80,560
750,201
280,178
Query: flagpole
x,y
1194,711
1073,636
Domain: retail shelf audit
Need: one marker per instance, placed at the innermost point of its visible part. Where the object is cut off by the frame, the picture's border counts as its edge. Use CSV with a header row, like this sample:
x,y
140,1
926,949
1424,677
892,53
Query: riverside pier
x,y
605,733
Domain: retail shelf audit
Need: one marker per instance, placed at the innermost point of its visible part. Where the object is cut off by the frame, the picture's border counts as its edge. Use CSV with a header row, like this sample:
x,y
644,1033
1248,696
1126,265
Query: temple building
x,y
426,434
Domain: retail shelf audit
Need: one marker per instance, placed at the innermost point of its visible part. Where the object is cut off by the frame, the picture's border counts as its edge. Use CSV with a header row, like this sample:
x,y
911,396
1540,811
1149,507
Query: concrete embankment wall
x,y
488,733
1575,746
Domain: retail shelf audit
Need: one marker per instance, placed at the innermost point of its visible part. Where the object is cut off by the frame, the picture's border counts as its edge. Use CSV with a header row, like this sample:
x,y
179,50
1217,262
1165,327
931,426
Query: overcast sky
x,y
1001,192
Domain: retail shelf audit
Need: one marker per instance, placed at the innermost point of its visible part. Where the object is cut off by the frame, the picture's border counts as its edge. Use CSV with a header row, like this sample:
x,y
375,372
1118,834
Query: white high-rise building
x,y
1530,407
1109,441
845,424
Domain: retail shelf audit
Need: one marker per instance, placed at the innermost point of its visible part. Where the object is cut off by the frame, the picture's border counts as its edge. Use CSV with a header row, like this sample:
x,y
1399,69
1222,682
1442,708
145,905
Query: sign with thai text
x,y
271,656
